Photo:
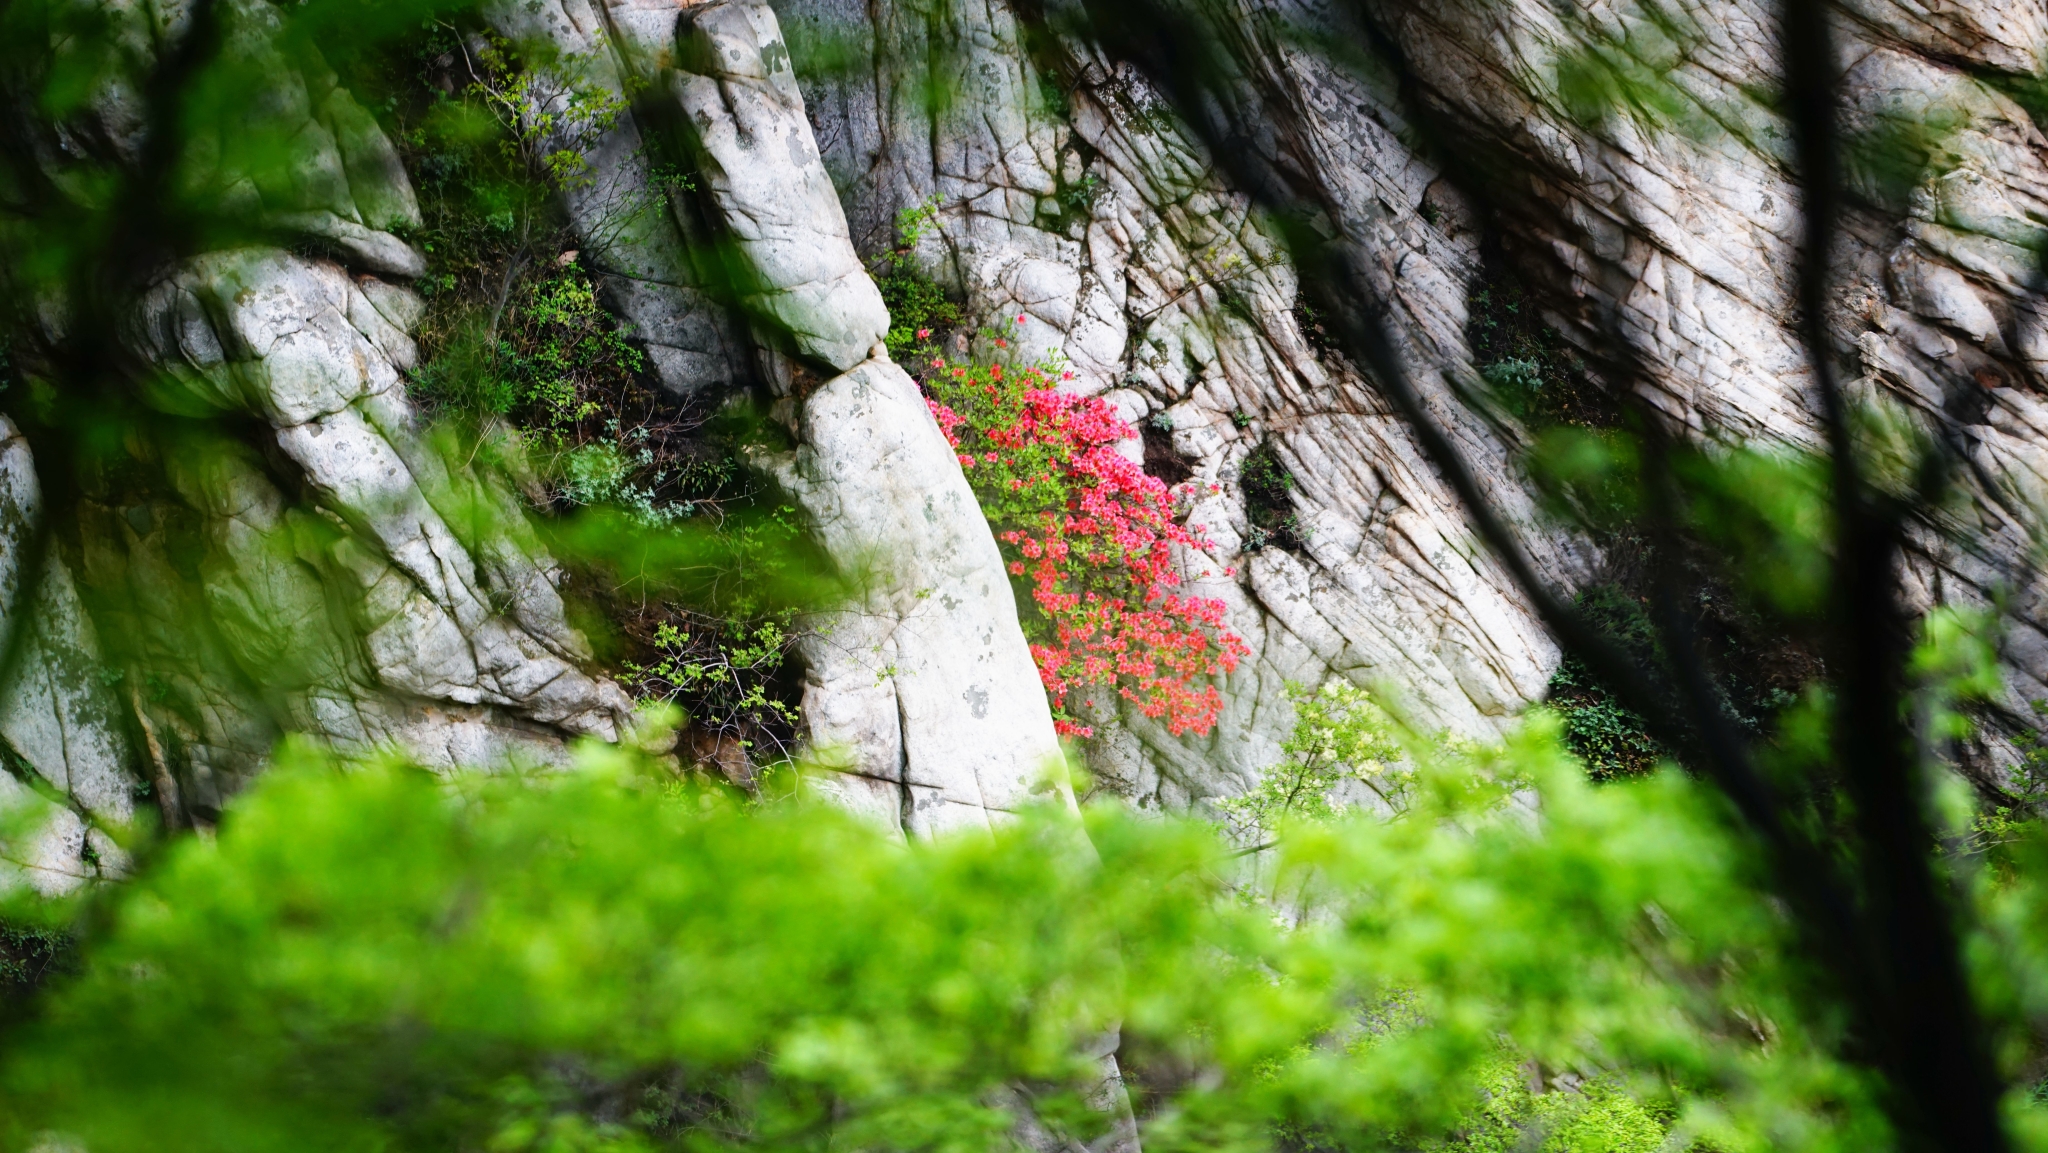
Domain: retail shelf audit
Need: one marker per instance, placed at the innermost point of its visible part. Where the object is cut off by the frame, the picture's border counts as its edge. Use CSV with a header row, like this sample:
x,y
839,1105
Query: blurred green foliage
x,y
1629,64
1574,1116
370,956
1746,547
2012,820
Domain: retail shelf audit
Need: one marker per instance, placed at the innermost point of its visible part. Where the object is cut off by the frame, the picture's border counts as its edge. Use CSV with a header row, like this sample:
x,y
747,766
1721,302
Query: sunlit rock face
x,y
796,271
921,693
1663,219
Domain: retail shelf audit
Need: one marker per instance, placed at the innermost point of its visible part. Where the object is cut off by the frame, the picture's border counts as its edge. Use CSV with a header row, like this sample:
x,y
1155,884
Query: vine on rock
x,y
1094,535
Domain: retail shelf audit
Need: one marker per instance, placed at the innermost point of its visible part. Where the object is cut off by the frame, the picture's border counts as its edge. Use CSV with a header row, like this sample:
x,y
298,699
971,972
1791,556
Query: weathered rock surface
x,y
1668,217
58,716
274,545
795,270
325,572
922,692
316,355
640,233
1068,194
924,689
1677,230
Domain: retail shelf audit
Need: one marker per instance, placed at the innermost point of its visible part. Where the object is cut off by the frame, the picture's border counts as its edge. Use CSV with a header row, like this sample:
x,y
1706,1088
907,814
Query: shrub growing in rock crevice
x,y
1527,367
1092,534
915,301
1754,674
29,955
1162,460
1268,485
523,364
1612,741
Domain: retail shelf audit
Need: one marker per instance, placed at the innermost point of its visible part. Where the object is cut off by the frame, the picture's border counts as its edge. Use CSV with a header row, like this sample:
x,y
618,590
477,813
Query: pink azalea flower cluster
x,y
1097,539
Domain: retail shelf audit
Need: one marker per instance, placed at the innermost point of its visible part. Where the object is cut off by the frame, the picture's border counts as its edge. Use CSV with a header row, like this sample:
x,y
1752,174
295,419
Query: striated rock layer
x,y
1068,192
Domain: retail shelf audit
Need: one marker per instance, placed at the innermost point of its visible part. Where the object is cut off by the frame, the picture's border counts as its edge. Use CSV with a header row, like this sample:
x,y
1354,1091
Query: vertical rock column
x,y
924,690
638,239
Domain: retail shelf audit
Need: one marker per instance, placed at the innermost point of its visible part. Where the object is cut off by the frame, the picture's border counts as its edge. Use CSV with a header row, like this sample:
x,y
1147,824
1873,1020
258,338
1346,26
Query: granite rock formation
x,y
266,540
1660,208
922,693
325,570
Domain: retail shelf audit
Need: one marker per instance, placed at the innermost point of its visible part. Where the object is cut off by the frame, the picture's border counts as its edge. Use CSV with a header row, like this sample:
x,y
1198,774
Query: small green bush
x,y
1611,740
29,954
1595,1116
1339,735
1515,374
1268,485
725,674
1527,367
918,307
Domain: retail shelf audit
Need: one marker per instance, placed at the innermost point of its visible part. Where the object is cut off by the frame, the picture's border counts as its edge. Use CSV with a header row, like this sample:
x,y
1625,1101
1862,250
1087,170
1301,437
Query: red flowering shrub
x,y
1094,535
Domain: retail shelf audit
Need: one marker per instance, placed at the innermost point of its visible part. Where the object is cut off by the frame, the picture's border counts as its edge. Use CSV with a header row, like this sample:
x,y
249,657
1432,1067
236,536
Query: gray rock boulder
x,y
399,579
921,694
641,232
794,266
67,789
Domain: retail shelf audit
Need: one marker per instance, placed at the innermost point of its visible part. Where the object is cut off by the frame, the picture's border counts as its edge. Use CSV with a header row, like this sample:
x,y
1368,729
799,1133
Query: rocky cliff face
x,y
267,543
1629,158
1096,217
325,571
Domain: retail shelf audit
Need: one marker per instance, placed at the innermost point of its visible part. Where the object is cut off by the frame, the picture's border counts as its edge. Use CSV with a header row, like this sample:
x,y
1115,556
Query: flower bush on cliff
x,y
1094,535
